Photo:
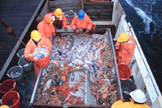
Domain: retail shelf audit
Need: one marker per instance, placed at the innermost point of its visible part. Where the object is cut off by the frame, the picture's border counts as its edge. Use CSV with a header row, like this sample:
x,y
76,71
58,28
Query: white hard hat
x,y
138,96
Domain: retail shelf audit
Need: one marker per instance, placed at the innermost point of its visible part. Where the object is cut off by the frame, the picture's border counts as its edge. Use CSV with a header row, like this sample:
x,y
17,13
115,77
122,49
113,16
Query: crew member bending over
x,y
82,21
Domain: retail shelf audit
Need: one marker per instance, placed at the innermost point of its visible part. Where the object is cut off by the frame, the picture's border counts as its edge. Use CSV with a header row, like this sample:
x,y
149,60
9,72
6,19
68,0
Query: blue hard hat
x,y
81,14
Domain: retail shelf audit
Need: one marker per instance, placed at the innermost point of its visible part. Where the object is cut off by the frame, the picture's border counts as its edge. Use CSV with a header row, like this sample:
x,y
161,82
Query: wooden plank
x,y
97,7
99,14
65,3
99,10
102,22
99,3
66,9
98,19
101,17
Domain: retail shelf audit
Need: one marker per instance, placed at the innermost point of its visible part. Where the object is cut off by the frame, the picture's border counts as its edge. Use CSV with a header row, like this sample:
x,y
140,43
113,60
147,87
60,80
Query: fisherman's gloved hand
x,y
44,46
76,30
65,28
87,31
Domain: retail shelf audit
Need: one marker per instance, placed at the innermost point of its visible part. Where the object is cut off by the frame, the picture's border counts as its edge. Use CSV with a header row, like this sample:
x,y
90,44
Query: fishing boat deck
x,y
141,72
16,14
19,15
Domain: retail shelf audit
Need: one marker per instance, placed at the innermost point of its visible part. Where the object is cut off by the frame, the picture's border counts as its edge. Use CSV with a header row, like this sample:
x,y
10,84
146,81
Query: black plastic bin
x,y
15,72
25,64
20,53
127,86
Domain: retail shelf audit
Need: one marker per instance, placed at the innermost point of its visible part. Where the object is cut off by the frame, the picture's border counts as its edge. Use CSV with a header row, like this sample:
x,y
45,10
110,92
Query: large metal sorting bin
x,y
119,92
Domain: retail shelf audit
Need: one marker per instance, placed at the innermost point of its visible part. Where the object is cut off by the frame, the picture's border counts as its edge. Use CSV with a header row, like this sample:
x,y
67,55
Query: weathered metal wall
x,y
99,11
65,5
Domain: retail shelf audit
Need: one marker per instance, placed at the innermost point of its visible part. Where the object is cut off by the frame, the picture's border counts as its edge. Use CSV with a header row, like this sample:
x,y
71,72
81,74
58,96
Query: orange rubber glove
x,y
87,31
44,46
77,31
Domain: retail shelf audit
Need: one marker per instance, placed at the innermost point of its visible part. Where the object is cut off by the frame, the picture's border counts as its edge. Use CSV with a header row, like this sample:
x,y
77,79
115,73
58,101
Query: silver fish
x,y
47,85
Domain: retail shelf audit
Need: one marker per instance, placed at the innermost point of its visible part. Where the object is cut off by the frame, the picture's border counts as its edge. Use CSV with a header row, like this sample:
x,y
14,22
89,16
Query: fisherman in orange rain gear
x,y
35,41
45,27
137,100
59,19
124,49
82,21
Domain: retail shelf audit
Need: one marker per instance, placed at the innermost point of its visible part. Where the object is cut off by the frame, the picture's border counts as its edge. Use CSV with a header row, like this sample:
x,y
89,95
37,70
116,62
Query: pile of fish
x,y
39,53
81,71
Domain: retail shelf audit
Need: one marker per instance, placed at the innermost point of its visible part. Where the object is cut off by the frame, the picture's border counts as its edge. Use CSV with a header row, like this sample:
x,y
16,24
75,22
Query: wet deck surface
x,y
25,88
16,14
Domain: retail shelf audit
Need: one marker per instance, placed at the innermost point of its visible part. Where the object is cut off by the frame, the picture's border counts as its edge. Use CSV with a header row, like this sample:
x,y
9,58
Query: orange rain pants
x,y
45,28
85,23
29,49
131,104
125,50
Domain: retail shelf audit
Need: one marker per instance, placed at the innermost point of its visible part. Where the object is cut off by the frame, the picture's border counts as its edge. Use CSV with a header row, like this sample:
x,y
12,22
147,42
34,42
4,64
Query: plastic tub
x,y
12,99
25,64
15,72
124,71
20,52
127,86
69,16
8,85
42,63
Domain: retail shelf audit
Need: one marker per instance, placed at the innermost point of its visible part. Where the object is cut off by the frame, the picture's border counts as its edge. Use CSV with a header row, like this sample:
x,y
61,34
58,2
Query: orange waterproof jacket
x,y
30,47
86,23
125,50
64,20
46,29
131,104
